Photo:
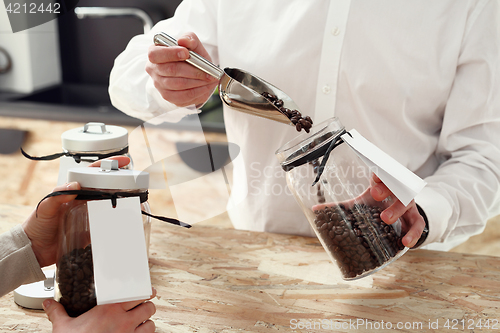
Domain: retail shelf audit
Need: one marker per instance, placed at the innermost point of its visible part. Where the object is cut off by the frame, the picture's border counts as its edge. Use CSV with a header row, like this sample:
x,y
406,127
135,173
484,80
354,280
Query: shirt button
x,y
327,89
335,31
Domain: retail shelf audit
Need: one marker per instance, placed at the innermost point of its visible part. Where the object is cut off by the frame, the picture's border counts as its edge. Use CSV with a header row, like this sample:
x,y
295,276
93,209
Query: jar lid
x,y
95,137
109,176
32,295
308,147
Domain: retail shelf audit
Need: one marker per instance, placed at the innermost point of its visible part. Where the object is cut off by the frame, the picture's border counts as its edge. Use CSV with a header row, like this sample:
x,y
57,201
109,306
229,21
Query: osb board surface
x,y
224,280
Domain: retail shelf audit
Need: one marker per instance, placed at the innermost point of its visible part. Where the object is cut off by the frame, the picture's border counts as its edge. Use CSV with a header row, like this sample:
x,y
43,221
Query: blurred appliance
x,y
90,38
103,12
33,54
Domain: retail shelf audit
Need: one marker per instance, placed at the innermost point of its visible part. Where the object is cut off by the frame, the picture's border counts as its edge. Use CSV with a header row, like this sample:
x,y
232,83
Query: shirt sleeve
x,y
465,190
18,264
131,89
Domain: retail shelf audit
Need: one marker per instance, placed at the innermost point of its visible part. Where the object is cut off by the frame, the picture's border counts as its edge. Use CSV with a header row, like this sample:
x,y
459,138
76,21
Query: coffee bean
x,y
278,103
75,280
294,115
365,257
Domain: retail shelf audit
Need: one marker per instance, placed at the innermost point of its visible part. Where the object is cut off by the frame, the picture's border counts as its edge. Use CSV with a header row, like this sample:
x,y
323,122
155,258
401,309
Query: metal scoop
x,y
237,88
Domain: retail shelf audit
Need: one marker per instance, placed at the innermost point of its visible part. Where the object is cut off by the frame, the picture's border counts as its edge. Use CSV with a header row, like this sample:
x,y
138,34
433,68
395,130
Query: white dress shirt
x,y
418,78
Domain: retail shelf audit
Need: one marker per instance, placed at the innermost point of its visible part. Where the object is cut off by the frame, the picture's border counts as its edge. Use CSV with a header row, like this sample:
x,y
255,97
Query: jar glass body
x,y
339,207
74,278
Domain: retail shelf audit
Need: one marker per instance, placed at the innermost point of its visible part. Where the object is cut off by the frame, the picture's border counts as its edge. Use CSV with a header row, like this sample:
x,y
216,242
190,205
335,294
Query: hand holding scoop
x,y
244,91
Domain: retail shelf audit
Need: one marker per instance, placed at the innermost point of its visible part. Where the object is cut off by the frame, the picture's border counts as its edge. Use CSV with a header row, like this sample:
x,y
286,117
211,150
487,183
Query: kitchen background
x,y
54,78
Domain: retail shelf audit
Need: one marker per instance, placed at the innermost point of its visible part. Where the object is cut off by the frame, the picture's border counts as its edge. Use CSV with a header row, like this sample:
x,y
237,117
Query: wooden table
x,y
223,280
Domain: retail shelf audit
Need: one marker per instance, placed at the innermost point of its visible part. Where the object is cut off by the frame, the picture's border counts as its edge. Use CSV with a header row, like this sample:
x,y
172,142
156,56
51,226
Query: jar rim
x,y
109,179
306,143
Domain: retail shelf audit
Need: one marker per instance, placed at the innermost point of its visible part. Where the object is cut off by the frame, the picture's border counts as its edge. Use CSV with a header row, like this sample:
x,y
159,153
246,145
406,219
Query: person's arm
x,y
463,193
133,91
18,264
28,247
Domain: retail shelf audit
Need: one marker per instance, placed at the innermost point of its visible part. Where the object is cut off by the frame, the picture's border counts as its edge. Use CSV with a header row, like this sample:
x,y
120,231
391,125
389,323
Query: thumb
x,y
50,206
191,42
54,310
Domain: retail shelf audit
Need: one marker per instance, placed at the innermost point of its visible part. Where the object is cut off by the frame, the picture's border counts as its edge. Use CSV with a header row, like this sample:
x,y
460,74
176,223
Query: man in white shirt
x,y
419,79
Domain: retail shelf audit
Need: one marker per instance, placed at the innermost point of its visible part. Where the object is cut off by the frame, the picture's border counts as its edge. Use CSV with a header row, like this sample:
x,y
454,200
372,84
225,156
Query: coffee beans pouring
x,y
294,115
357,237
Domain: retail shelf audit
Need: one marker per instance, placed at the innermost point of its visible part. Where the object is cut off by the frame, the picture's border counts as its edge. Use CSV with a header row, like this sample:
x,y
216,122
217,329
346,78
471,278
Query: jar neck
x,y
306,148
96,152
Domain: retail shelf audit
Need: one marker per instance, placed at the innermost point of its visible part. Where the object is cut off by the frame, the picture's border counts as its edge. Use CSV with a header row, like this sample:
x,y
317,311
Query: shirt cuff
x,y
438,212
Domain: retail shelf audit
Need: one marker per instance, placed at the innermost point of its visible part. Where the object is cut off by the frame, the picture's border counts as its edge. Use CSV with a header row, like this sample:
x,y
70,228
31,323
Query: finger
x,y
375,178
147,327
379,191
54,310
191,42
180,77
142,312
417,225
122,161
50,206
132,304
187,97
160,54
393,212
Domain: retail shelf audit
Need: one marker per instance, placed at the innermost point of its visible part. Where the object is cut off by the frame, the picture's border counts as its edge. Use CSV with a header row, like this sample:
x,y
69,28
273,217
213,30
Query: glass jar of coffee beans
x,y
339,206
74,280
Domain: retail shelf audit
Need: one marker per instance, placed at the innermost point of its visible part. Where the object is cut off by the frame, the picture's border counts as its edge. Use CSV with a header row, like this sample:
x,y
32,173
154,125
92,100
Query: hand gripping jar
x,y
339,207
74,287
90,143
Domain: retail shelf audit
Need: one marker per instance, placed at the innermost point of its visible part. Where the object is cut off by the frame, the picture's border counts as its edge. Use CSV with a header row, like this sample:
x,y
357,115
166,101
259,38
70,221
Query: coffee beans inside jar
x,y
75,280
295,116
357,237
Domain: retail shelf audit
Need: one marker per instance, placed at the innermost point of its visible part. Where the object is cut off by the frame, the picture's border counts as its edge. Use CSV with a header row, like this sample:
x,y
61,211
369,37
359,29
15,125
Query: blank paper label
x,y
403,183
121,269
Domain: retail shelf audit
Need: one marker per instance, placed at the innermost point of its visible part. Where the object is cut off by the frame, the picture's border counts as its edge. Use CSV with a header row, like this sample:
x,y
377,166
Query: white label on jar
x,y
121,270
403,183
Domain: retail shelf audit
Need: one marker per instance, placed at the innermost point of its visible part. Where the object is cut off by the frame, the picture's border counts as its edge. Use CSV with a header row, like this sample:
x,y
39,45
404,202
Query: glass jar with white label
x,y
74,279
332,186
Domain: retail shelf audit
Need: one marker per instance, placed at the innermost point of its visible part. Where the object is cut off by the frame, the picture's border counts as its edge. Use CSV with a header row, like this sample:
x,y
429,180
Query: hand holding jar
x,y
42,228
124,317
413,222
